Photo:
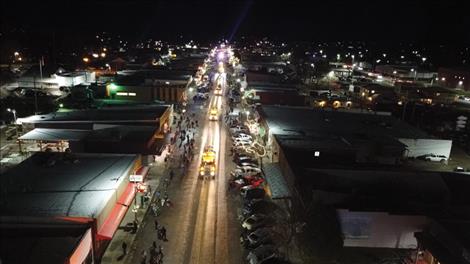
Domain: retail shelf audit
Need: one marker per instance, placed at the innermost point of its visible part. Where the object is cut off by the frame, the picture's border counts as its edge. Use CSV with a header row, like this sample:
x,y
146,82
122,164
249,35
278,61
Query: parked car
x,y
200,97
248,169
262,254
434,157
248,164
257,238
239,129
240,140
259,207
243,144
256,221
241,136
250,192
244,159
237,156
459,169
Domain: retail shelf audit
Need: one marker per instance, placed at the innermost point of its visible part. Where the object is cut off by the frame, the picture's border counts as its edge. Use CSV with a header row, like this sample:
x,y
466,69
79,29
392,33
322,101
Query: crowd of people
x,y
182,141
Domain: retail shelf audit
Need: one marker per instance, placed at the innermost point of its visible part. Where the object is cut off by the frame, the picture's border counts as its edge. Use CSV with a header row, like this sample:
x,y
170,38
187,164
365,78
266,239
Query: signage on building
x,y
461,122
136,178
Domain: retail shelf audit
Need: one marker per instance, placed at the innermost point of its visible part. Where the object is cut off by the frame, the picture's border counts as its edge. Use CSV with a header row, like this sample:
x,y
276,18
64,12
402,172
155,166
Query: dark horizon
x,y
394,21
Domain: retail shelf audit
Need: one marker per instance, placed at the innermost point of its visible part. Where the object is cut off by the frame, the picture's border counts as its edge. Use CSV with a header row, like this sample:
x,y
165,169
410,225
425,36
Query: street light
x,y
13,111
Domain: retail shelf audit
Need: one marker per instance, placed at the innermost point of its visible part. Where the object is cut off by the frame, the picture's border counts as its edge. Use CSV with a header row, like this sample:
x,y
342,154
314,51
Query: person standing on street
x,y
124,248
143,259
163,231
156,223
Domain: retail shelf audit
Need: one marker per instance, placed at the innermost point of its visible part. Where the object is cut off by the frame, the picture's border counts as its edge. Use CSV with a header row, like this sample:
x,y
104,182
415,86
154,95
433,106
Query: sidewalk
x,y
114,251
168,217
158,175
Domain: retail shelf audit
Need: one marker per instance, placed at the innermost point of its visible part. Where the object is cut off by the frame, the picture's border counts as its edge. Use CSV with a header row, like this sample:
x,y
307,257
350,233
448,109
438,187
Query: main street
x,y
202,224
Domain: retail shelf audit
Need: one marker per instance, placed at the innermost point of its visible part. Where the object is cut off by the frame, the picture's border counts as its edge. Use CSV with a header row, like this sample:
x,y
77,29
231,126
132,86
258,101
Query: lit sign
x,y
136,178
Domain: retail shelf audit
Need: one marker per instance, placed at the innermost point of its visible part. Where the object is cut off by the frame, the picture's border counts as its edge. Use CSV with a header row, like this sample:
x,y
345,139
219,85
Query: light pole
x,y
14,113
415,73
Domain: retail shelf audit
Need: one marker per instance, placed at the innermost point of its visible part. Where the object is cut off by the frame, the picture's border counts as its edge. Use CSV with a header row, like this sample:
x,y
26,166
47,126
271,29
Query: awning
x,y
49,134
128,195
275,179
158,145
117,214
143,171
113,221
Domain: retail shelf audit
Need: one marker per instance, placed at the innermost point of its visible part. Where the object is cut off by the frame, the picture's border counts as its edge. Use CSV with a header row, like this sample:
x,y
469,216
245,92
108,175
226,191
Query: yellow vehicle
x,y
214,114
218,90
208,167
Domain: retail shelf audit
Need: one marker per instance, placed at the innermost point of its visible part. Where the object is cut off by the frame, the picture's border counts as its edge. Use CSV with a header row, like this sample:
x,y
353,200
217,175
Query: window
x,y
125,94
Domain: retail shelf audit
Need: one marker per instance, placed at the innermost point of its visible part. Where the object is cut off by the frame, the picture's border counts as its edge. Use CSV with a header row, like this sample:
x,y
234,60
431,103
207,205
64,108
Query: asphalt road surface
x,y
202,225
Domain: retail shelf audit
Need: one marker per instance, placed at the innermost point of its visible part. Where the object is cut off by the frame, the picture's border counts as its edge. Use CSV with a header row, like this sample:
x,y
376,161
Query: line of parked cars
x,y
258,214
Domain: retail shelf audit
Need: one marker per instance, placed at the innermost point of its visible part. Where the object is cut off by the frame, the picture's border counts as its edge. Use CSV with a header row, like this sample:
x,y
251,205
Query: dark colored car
x,y
259,207
251,192
245,159
256,221
256,238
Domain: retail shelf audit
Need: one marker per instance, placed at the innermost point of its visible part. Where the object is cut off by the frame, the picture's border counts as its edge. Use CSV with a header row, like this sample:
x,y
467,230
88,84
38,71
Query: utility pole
x,y
35,96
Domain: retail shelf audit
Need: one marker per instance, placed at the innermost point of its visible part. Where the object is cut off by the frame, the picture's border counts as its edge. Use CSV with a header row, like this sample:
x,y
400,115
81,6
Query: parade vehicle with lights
x,y
208,166
218,90
214,114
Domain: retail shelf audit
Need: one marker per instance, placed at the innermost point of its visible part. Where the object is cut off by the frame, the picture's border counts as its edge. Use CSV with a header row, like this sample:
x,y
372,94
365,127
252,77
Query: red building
x,y
71,204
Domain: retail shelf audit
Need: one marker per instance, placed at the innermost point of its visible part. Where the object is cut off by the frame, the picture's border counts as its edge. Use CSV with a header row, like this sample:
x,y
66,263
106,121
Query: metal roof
x,y
67,188
285,120
48,134
276,181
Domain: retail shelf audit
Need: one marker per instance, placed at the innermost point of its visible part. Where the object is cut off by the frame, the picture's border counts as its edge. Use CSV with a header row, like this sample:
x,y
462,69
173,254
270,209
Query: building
x,y
445,242
53,78
349,162
150,86
456,78
135,130
374,137
275,94
263,77
70,204
406,73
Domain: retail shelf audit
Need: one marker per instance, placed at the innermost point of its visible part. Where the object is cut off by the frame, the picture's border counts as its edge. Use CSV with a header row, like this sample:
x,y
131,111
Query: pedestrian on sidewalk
x,y
124,248
153,250
134,226
159,233
163,230
156,223
143,259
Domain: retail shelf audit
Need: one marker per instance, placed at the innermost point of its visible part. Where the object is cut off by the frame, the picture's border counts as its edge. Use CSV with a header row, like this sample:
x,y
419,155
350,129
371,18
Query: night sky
x,y
443,21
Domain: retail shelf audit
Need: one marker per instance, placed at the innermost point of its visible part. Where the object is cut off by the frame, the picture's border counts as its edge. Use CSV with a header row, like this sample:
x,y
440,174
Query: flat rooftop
x,y
48,244
378,189
134,114
81,189
288,120
163,74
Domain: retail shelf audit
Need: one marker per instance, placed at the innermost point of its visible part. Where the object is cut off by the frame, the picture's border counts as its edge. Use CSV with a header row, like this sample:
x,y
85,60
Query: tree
x,y
321,239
